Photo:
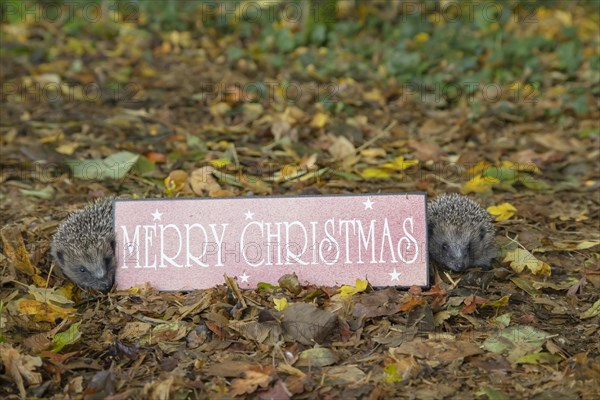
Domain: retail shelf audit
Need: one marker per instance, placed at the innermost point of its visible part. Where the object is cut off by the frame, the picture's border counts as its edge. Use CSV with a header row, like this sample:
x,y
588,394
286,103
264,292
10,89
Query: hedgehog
x,y
461,234
84,246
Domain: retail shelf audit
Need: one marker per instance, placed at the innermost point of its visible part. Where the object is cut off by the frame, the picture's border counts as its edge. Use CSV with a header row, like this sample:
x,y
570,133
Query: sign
x,y
184,244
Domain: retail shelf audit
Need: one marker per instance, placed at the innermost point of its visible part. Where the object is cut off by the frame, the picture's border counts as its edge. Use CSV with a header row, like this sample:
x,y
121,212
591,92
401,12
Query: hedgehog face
x,y
458,248
92,267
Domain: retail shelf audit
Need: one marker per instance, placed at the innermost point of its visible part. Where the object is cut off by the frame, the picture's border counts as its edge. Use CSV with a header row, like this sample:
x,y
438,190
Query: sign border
x,y
424,194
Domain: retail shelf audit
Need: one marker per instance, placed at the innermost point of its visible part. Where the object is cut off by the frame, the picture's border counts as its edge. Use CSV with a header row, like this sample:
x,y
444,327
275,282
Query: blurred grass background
x,y
524,46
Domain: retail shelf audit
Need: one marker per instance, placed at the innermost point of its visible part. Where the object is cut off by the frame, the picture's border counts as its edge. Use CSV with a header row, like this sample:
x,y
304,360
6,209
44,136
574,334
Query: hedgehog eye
x,y
107,261
445,246
82,269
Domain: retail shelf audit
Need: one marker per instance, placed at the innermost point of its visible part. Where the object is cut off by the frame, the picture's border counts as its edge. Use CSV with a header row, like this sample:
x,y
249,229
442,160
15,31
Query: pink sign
x,y
188,244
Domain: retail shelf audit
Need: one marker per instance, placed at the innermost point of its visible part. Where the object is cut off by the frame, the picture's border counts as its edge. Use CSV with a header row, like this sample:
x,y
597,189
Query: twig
x,y
381,134
236,289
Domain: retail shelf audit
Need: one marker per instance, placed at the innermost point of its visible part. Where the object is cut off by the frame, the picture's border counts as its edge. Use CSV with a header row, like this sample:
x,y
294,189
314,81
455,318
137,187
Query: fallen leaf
x,y
341,148
115,166
347,290
316,358
319,120
375,173
520,259
400,164
252,380
516,341
306,323
592,311
203,182
378,303
539,358
176,182
70,336
402,369
502,212
20,367
479,184
280,304
14,248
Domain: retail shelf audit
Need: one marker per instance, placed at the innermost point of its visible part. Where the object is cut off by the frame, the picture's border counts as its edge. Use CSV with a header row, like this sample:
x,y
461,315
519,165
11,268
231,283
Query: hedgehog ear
x,y
430,227
113,245
60,257
481,233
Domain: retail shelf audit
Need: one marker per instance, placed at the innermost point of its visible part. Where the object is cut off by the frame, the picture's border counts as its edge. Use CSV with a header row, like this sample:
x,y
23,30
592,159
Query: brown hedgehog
x,y
84,246
461,234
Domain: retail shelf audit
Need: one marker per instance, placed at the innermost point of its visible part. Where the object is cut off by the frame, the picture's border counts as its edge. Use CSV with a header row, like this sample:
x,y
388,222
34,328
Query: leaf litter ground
x,y
526,329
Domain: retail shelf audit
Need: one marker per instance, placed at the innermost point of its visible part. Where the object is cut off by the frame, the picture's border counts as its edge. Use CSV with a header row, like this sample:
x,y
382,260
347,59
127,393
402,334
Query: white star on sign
x,y
249,214
368,204
244,277
395,275
156,215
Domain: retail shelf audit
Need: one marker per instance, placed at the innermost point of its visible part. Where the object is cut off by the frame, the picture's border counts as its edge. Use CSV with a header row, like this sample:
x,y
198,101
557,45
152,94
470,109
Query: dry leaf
x,y
341,148
203,182
319,120
520,259
20,367
502,212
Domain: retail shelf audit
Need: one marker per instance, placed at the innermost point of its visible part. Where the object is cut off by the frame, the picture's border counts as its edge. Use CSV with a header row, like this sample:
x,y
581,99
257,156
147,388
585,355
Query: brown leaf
x,y
426,150
14,248
203,182
378,303
20,367
258,376
278,391
341,148
305,323
441,350
411,303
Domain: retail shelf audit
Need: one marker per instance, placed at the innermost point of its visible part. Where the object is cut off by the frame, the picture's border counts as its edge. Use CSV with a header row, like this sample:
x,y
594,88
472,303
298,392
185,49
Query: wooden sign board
x,y
185,244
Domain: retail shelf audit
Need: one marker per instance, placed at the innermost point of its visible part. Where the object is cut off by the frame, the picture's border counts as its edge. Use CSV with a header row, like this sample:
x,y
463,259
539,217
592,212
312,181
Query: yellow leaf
x,y
67,149
319,120
501,302
400,164
375,95
502,212
522,167
41,311
219,109
375,173
478,168
520,259
280,304
373,153
221,162
421,37
479,184
347,290
14,248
